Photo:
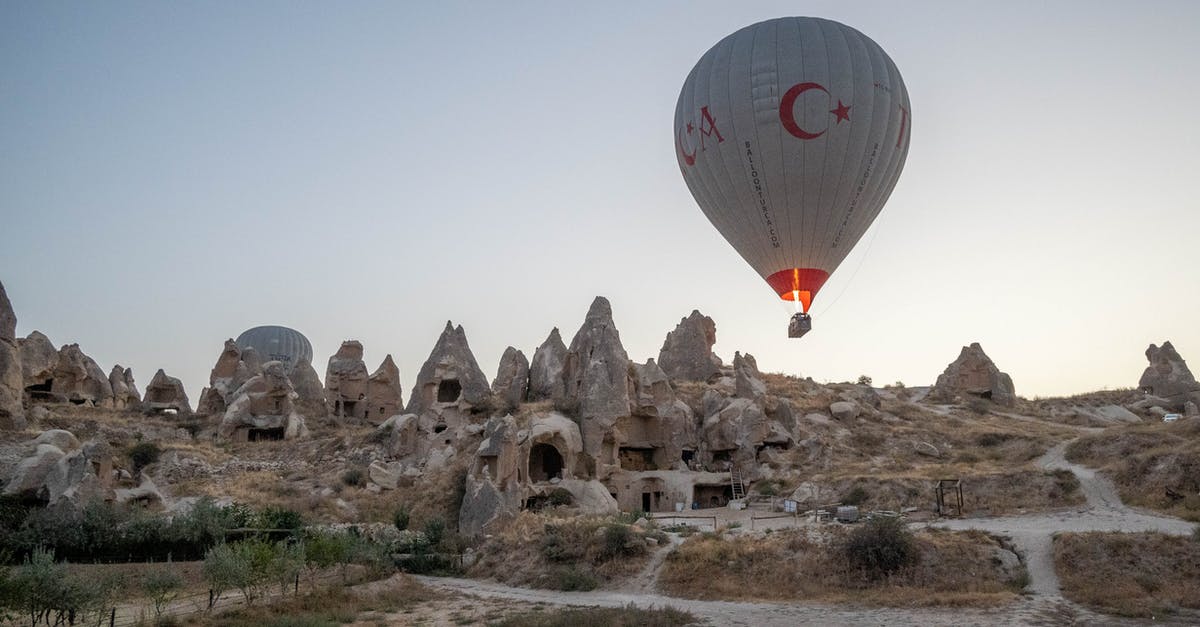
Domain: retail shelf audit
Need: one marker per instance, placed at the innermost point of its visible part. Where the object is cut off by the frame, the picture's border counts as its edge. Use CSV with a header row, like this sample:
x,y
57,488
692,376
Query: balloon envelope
x,y
791,134
274,343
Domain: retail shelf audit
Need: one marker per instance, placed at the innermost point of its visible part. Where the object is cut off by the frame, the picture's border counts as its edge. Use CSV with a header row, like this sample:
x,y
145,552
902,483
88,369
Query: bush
x,y
143,454
400,518
279,518
856,496
621,541
162,585
435,532
574,579
880,547
992,439
354,477
980,406
863,380
560,496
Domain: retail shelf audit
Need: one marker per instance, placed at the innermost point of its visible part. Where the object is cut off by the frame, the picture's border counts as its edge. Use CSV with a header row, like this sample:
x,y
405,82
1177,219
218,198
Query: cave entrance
x,y
41,391
345,408
632,458
448,390
265,435
545,463
707,496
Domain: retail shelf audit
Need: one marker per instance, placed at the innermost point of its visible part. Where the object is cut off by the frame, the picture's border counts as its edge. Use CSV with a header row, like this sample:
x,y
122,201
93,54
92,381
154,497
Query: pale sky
x,y
174,173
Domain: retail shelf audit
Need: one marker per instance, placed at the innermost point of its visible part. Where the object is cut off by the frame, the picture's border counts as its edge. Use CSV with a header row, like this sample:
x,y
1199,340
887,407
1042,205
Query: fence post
x,y
297,584
112,617
210,598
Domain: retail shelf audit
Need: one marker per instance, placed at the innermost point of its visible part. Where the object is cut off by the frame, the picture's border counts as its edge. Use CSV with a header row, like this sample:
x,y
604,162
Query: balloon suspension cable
x,y
870,244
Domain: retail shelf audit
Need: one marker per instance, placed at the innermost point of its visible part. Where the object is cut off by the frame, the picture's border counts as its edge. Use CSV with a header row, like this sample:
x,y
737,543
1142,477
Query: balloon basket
x,y
800,324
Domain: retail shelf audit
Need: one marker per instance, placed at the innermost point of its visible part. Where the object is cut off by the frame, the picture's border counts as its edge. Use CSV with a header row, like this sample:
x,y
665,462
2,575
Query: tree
x,y
162,585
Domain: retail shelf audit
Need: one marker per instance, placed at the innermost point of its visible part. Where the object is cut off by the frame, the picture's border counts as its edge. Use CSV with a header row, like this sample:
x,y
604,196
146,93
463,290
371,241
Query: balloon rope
x,y
870,244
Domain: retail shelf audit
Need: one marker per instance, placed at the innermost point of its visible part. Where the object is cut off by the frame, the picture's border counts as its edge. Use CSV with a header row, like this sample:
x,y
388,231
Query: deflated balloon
x,y
274,343
791,134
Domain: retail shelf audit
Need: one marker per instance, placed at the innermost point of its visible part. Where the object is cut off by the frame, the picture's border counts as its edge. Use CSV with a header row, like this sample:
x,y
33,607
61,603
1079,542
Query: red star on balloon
x,y
842,112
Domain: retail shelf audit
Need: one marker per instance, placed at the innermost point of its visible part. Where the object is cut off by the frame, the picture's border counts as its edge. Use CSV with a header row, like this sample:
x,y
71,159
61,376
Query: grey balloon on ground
x,y
276,343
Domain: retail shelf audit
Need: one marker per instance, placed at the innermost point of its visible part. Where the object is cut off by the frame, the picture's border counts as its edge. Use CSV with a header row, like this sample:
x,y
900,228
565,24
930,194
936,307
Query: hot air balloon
x,y
274,343
791,134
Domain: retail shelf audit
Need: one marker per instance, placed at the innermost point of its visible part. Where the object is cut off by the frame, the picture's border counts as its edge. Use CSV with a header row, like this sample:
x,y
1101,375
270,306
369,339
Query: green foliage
x,y
162,585
143,454
560,496
573,579
856,496
768,487
279,518
863,380
401,518
246,566
628,518
354,477
992,439
435,531
629,616
43,591
621,541
880,547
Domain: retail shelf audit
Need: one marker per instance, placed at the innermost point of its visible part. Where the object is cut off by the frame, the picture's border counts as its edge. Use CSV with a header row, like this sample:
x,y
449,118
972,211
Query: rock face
x,y
78,379
310,393
596,384
450,375
60,470
511,385
38,359
264,408
748,381
166,393
973,375
546,370
125,392
12,413
384,396
1168,377
687,352
346,381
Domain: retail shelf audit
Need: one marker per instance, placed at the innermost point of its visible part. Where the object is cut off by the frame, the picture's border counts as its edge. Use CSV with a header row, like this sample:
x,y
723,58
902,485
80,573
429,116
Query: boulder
x,y
125,392
384,395
310,393
511,385
52,476
546,369
687,354
659,420
346,381
748,381
12,412
145,493
973,375
386,475
38,359
844,410
399,435
450,376
61,439
1191,409
166,393
484,505
926,449
1168,377
263,408
78,379
1109,414
596,382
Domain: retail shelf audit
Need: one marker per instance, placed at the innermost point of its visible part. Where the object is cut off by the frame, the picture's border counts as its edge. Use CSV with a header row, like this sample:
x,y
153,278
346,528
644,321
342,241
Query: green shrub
x,y
856,496
279,518
435,532
162,585
143,454
400,518
992,439
574,579
621,541
560,496
863,380
354,477
880,547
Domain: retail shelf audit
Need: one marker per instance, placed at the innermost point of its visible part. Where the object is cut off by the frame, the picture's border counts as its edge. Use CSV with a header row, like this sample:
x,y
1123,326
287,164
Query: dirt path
x,y
646,581
1104,511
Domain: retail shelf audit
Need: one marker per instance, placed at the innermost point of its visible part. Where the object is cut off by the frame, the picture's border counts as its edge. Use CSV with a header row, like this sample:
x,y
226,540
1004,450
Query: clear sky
x,y
173,173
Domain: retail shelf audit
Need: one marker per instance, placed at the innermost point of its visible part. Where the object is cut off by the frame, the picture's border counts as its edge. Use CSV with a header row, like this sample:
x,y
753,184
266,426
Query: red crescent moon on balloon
x,y
788,117
688,159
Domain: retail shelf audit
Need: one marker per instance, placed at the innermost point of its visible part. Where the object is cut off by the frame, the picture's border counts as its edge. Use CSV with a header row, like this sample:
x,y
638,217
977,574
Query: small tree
x,y
880,547
162,585
285,567
864,380
400,518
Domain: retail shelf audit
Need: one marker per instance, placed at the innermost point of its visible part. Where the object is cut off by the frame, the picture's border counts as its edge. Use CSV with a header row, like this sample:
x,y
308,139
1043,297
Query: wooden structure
x,y
950,498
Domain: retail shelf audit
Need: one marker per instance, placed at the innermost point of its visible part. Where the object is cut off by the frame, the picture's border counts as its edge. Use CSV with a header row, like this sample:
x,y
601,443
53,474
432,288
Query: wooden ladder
x,y
735,482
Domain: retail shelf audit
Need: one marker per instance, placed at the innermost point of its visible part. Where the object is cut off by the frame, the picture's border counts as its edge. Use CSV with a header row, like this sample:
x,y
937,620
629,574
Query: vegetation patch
x,y
628,616
877,563
1130,574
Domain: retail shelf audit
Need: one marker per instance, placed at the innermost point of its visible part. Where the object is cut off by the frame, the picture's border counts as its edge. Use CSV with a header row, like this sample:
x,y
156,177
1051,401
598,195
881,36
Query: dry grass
x,y
1131,574
955,569
541,550
330,606
990,494
600,617
1148,463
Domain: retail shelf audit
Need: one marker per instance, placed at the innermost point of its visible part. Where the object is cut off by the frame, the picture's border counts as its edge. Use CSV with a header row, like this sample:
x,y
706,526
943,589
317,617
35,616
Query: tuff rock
x,y
511,385
1168,377
263,408
166,393
384,396
12,412
596,384
546,369
346,381
973,375
450,376
686,354
125,392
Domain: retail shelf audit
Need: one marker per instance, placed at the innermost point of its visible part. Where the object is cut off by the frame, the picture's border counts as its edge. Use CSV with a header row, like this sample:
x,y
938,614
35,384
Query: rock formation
x,y
1168,377
546,369
596,384
384,396
59,469
263,408
310,393
78,379
748,381
166,393
511,385
973,375
450,376
125,392
346,381
38,359
12,413
687,352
